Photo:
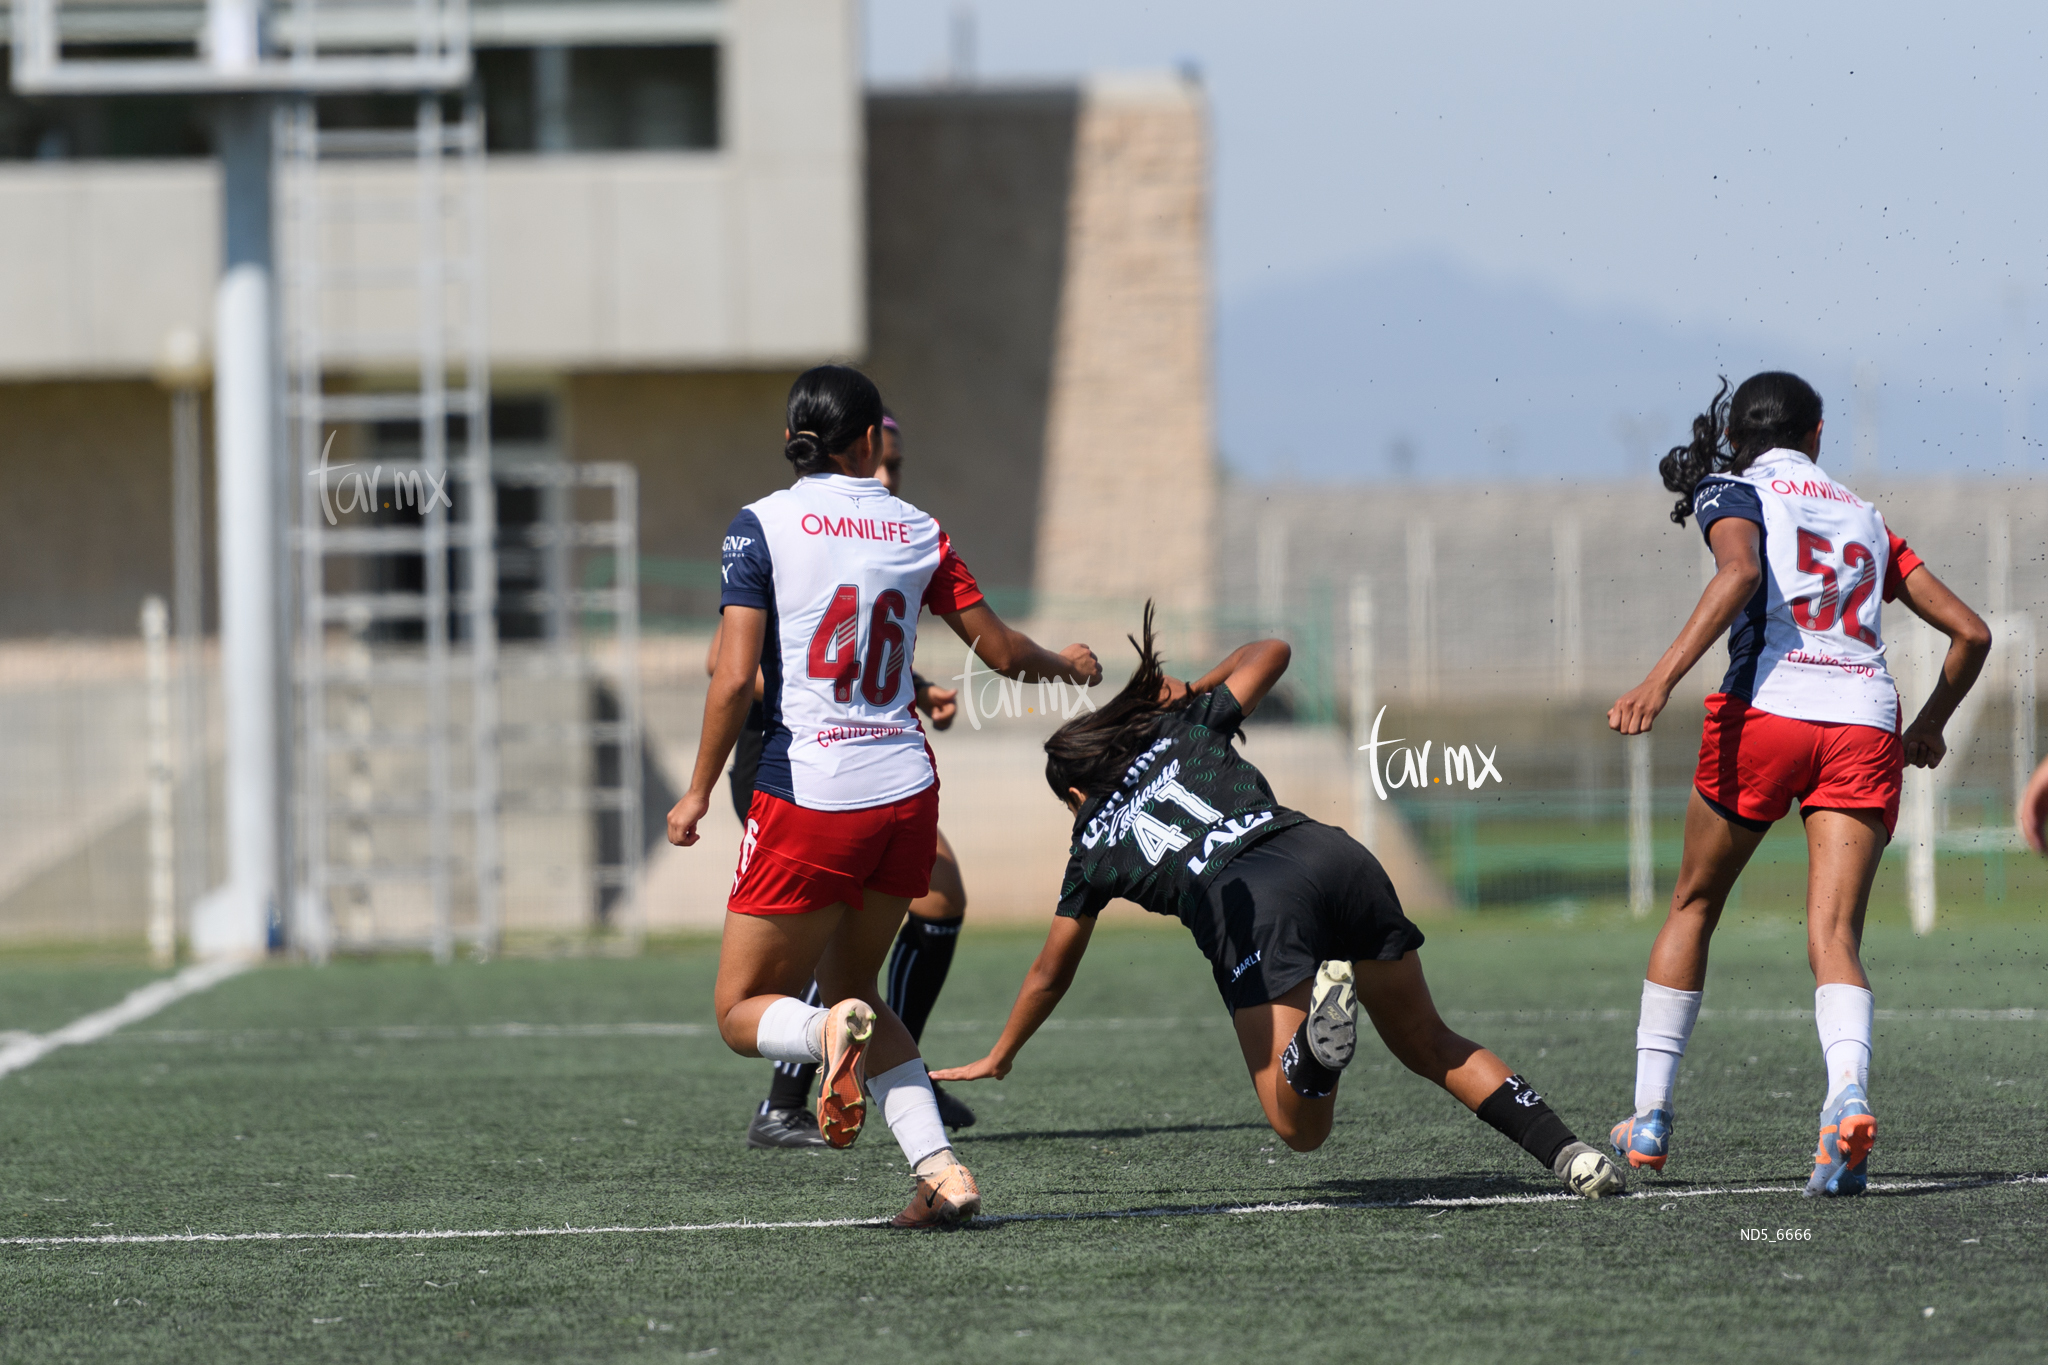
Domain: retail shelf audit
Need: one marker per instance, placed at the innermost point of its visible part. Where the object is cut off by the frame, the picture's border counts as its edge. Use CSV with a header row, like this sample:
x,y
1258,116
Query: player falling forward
x,y
1298,921
1807,713
923,954
823,582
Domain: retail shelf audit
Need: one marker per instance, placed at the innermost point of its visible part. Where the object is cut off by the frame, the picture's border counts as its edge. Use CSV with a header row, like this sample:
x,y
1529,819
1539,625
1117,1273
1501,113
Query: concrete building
x,y
686,202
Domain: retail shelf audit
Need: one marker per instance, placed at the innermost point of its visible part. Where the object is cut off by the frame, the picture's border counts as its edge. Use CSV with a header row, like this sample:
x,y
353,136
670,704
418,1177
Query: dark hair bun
x,y
804,450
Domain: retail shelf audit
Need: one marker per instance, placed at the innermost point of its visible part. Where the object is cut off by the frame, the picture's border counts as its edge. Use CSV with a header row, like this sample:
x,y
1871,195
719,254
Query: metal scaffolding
x,y
396,623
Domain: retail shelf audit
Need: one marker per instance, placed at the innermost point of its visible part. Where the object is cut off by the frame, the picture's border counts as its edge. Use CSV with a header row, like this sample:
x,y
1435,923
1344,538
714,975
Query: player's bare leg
x,y
945,1193
1263,1034
923,956
1396,997
1716,851
1843,848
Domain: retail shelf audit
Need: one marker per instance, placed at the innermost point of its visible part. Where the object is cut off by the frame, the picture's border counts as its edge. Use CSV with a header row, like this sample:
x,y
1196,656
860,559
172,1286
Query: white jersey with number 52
x,y
842,567
1809,644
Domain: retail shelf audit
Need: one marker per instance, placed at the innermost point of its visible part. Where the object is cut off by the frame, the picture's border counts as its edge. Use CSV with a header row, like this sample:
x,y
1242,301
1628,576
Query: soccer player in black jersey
x,y
923,954
1298,921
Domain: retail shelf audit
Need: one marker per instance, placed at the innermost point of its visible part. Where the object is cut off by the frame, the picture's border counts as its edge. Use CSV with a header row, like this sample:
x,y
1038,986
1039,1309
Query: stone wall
x,y
1130,498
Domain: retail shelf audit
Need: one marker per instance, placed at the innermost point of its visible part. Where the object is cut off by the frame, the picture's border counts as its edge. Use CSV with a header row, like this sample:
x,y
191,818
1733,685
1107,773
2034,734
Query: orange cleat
x,y
842,1105
945,1200
1841,1168
1644,1139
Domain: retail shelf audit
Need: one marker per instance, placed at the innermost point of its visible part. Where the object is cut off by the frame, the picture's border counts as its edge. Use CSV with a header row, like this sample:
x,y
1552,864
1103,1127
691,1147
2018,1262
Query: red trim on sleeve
x,y
1898,566
952,587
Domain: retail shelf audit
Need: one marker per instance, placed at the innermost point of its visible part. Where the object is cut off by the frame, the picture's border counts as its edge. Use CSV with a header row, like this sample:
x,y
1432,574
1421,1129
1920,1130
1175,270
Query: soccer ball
x,y
1593,1176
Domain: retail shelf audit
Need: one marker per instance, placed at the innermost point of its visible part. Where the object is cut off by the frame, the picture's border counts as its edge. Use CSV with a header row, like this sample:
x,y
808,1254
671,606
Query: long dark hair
x,y
1094,751
1770,410
830,406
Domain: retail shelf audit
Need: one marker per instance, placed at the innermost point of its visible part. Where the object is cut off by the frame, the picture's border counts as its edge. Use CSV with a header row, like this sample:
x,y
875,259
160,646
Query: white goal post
x,y
2012,664
60,47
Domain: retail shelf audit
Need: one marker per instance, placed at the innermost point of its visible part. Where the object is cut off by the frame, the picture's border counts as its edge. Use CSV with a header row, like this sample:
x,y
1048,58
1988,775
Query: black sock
x,y
1309,1077
1520,1113
917,969
791,1088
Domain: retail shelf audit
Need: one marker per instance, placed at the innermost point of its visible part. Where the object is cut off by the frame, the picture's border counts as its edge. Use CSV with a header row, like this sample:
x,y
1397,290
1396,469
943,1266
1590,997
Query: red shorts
x,y
1757,764
793,860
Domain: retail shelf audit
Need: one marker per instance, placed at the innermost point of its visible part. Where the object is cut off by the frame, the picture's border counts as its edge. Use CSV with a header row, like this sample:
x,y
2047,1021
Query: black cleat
x,y
785,1128
952,1112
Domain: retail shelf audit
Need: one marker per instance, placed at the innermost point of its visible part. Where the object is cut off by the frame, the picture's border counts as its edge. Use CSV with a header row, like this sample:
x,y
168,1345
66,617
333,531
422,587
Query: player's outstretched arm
x,y
1015,654
1249,672
2034,810
1044,985
741,632
1738,570
1969,640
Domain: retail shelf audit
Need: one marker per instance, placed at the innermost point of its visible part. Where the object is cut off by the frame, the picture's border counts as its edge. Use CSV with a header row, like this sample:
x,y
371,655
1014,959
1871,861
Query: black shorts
x,y
1281,908
746,763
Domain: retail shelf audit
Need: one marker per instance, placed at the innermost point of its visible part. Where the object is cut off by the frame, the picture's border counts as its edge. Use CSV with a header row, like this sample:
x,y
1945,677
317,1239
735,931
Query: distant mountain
x,y
1415,368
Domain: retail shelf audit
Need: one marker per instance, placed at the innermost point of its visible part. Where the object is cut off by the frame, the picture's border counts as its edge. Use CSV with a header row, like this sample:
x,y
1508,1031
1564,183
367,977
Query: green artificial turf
x,y
378,1096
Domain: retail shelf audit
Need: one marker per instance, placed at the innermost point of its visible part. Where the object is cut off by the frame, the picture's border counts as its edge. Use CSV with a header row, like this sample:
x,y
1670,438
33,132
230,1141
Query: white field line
x,y
401,1033
1101,1215
142,1002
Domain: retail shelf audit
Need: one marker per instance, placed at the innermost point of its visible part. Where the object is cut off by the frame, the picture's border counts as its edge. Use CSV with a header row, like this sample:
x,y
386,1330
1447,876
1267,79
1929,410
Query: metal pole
x,y
182,368
1918,800
1642,866
163,855
1567,603
237,923
1365,812
1272,572
2019,636
1422,610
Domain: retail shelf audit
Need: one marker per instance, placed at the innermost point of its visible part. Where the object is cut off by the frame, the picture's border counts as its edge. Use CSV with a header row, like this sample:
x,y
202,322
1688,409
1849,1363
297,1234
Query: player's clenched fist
x,y
1087,668
683,817
1633,714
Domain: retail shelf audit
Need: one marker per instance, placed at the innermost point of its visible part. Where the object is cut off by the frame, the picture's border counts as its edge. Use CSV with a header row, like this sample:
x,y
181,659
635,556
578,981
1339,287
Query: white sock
x,y
1842,1013
791,1031
904,1095
1661,1034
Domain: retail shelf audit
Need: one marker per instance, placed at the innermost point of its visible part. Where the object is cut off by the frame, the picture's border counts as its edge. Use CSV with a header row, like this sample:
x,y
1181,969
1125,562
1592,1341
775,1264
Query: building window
x,y
536,99
600,99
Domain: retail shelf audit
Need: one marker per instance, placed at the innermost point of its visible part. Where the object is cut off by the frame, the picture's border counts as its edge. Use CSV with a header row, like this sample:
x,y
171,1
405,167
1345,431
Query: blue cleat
x,y
1848,1130
1644,1139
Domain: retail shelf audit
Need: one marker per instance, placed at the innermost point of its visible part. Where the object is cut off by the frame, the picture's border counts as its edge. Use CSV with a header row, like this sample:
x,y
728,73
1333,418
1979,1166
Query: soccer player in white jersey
x,y
1806,713
923,955
823,583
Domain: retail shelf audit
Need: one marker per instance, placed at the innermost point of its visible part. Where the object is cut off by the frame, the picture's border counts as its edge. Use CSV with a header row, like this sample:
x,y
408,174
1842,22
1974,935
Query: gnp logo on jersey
x,y
1471,764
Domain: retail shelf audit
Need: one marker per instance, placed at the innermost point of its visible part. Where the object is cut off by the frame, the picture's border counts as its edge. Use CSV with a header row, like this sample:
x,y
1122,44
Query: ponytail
x,y
1684,466
1773,410
1093,752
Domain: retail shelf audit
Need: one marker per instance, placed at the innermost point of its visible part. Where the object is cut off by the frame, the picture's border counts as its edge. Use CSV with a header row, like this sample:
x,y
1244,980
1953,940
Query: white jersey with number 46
x,y
842,567
1809,644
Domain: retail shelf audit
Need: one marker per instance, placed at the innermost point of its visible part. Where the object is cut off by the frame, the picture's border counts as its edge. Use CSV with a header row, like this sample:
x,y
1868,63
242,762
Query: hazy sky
x,y
1855,178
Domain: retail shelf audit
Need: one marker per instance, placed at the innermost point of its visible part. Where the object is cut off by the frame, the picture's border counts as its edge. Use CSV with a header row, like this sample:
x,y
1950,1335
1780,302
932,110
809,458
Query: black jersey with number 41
x,y
1185,807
